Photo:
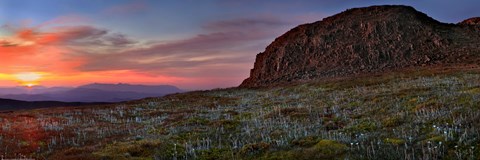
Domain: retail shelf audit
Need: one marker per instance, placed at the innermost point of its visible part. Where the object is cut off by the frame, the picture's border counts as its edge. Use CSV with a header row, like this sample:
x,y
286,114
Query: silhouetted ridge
x,y
11,105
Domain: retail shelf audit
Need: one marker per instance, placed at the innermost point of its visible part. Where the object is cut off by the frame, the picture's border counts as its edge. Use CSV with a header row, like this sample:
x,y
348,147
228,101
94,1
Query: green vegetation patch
x,y
129,150
325,149
143,149
254,148
394,141
215,154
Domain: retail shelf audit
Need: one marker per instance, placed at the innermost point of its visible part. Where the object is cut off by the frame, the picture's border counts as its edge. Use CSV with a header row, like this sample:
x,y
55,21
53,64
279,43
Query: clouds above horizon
x,y
194,45
223,52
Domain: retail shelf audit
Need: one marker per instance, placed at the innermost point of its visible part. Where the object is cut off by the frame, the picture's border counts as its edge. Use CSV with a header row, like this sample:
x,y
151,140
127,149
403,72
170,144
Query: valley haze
x,y
95,92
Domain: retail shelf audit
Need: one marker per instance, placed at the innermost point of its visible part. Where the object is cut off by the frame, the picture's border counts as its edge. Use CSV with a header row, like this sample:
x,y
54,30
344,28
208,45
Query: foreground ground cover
x,y
414,115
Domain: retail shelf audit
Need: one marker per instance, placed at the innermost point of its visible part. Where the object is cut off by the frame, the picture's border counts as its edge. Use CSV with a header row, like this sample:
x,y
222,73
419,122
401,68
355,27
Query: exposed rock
x,y
364,40
471,21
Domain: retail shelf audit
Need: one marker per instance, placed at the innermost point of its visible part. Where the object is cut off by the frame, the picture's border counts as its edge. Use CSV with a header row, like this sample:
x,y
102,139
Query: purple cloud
x,y
89,36
232,42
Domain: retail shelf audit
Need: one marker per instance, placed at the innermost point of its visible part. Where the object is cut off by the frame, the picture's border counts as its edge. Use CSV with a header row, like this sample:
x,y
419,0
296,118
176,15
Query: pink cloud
x,y
221,56
64,20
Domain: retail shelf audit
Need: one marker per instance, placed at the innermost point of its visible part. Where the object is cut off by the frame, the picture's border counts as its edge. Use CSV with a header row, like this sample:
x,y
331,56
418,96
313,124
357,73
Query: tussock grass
x,y
409,115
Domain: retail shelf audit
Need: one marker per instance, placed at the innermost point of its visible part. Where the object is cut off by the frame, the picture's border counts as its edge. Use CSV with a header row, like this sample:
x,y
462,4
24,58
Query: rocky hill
x,y
365,40
471,21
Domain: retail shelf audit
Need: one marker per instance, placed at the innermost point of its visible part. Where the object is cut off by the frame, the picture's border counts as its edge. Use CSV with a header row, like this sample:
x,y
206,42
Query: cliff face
x,y
365,40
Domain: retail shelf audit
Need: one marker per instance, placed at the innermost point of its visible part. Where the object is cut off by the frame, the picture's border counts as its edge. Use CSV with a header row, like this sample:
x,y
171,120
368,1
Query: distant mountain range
x,y
95,92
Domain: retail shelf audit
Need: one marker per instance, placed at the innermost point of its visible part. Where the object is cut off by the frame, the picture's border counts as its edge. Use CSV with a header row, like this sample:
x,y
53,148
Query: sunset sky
x,y
193,44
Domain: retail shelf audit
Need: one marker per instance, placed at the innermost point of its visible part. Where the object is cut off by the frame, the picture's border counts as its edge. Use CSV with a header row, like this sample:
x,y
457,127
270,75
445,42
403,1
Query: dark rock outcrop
x,y
364,40
471,21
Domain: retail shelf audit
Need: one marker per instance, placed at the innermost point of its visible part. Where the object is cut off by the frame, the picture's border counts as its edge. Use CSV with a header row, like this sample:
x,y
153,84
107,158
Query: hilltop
x,y
375,39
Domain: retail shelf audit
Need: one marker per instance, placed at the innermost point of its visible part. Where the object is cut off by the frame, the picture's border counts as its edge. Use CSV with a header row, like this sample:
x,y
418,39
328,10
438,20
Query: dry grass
x,y
420,114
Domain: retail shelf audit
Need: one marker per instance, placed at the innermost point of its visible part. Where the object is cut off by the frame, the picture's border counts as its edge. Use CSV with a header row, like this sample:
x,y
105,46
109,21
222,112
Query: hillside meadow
x,y
420,114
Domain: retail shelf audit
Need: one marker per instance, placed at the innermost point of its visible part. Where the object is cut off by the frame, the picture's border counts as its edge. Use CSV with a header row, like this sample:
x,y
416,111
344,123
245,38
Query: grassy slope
x,y
421,114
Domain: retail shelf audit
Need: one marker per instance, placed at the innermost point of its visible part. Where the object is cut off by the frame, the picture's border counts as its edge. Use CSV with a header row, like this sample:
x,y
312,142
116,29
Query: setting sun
x,y
28,76
28,79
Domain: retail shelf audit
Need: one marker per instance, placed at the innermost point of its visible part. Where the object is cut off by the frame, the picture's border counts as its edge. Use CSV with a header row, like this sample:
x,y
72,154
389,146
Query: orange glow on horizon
x,y
112,76
75,78
28,76
60,56
28,79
